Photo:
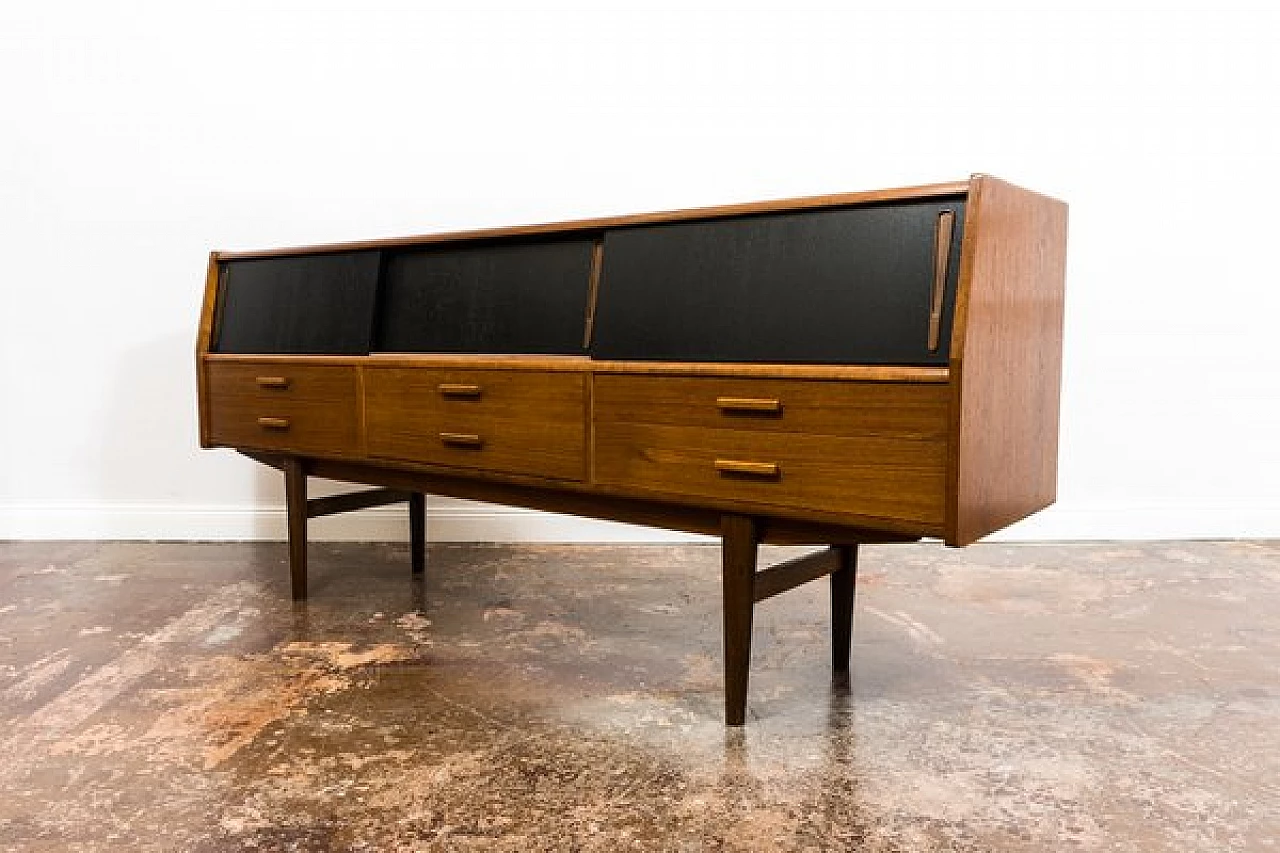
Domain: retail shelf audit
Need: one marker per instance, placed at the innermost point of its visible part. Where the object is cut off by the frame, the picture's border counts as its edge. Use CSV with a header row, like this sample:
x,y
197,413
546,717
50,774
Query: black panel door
x,y
318,304
514,298
850,285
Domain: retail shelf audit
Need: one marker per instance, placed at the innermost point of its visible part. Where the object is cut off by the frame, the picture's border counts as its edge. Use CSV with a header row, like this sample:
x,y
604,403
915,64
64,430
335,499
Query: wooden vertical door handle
x,y
593,291
941,257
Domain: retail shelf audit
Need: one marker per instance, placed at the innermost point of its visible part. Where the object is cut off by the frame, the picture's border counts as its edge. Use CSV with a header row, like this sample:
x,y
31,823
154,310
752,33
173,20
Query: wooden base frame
x,y
300,508
744,583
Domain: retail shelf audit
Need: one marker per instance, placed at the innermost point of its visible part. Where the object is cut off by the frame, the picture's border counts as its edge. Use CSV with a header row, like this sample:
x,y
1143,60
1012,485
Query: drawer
x,y
280,406
873,449
816,407
506,421
879,476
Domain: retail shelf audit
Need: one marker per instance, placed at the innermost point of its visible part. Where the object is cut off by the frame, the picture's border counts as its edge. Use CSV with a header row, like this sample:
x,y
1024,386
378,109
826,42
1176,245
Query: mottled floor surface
x,y
1082,697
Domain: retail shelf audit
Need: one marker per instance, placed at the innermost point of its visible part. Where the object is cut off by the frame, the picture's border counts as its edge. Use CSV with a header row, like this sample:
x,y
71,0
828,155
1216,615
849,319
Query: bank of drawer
x,y
278,406
815,407
866,475
506,421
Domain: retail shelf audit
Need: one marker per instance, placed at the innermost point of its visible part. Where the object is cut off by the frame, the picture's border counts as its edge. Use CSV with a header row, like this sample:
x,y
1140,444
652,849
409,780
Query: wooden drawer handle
x,y
770,470
275,382
273,423
749,404
448,389
461,439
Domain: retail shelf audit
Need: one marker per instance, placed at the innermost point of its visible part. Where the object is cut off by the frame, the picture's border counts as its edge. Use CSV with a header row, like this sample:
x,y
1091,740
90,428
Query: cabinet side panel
x,y
1006,360
204,334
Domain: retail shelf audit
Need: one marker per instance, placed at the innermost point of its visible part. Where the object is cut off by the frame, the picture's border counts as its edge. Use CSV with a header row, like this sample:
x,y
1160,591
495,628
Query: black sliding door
x,y
515,298
313,304
847,285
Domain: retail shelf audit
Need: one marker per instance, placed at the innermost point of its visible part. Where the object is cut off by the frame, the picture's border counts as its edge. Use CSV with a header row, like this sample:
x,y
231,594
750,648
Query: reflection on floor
x,y
1081,697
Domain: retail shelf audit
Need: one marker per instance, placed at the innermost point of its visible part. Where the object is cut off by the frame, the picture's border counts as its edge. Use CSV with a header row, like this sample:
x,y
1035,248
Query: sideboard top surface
x,y
924,191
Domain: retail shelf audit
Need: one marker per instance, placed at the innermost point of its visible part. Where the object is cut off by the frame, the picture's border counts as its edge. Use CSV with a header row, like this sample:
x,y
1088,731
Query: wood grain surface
x,y
900,410
851,372
1006,360
204,335
315,412
516,422
870,476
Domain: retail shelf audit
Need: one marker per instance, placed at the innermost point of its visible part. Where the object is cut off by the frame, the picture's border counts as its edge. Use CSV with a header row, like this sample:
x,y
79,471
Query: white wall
x,y
135,137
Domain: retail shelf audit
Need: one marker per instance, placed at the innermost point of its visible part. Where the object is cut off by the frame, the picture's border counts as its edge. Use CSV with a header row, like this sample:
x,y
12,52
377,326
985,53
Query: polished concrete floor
x,y
1076,697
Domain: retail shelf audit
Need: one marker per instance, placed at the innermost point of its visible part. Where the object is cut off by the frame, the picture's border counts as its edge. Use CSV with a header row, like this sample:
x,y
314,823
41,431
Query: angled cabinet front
x,y
871,284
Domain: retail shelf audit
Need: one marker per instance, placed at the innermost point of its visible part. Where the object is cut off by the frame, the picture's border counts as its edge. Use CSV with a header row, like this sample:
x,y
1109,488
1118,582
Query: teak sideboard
x,y
859,368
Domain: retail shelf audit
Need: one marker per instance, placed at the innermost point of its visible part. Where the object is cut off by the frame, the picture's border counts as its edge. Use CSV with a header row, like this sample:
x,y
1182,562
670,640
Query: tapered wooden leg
x,y
295,498
843,582
418,532
740,538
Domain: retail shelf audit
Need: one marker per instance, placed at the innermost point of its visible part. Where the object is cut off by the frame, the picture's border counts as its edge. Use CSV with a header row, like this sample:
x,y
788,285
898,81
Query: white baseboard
x,y
147,521
480,523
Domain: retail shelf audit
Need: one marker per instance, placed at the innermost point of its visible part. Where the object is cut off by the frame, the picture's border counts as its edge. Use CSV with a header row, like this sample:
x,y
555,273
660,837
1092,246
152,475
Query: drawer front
x,y
880,477
299,408
817,407
507,421
868,449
